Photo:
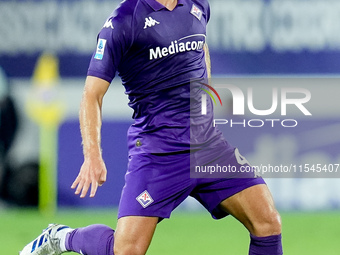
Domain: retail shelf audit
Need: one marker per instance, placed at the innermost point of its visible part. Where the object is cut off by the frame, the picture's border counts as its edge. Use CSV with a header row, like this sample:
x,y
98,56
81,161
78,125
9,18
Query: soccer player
x,y
157,47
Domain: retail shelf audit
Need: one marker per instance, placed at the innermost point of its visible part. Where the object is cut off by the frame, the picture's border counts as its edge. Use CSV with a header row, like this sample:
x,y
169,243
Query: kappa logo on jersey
x,y
196,12
108,24
150,22
100,49
144,199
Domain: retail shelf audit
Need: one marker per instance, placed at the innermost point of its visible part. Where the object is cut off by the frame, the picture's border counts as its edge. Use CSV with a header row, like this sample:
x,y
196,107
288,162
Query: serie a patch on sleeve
x,y
100,49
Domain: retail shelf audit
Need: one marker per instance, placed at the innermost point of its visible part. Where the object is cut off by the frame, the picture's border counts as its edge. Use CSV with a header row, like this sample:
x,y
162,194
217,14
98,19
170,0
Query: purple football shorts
x,y
155,184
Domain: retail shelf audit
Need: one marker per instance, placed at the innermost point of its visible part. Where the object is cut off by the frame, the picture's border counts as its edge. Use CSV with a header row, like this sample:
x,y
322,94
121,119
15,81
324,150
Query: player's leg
x,y
94,239
134,234
241,194
254,208
56,239
133,237
154,185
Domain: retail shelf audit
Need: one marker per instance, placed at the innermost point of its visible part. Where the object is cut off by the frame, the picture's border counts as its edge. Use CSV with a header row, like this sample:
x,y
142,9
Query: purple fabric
x,y
269,245
91,240
155,184
156,52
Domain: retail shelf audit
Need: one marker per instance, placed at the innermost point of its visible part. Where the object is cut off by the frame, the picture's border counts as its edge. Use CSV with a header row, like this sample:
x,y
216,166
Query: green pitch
x,y
184,233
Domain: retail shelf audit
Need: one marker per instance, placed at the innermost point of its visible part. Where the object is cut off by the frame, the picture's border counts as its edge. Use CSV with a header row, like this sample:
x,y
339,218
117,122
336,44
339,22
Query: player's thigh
x,y
133,234
254,208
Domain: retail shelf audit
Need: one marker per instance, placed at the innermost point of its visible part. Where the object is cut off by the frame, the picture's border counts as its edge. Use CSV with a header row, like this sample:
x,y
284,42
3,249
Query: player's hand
x,y
92,174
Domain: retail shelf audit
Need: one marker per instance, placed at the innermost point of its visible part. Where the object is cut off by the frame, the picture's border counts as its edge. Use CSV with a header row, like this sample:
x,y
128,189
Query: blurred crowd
x,y
18,183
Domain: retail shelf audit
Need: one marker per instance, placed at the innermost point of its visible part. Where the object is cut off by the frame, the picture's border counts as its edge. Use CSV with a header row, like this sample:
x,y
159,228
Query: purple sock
x,y
94,239
268,245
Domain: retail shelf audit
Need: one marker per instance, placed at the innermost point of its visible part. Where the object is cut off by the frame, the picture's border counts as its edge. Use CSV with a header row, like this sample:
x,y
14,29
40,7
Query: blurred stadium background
x,y
45,47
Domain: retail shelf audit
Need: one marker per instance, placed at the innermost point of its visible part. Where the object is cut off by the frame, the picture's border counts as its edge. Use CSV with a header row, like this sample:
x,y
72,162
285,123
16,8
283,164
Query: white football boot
x,y
48,243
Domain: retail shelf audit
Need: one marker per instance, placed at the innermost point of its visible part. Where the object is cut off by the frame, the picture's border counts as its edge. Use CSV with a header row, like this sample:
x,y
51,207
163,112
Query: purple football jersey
x,y
156,52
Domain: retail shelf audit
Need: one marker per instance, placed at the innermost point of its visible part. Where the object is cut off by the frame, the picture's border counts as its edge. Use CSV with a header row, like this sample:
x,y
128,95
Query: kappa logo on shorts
x,y
144,199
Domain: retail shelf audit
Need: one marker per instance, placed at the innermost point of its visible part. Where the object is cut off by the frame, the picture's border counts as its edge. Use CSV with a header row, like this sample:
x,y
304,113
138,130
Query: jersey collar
x,y
156,6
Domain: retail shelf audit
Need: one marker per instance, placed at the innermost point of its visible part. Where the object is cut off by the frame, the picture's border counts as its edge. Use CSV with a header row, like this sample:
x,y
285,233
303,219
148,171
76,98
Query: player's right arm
x,y
112,41
93,170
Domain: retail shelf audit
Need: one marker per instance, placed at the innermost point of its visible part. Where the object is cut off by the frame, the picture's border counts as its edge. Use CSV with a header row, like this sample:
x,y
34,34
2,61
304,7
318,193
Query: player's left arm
x,y
207,59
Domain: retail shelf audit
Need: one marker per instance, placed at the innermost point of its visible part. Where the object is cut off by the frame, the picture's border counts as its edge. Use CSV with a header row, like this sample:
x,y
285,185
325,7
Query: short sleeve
x,y
206,8
107,56
208,12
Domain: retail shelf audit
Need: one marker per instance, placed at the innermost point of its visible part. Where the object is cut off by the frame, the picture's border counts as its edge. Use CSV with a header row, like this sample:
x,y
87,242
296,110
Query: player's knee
x,y
269,225
128,249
